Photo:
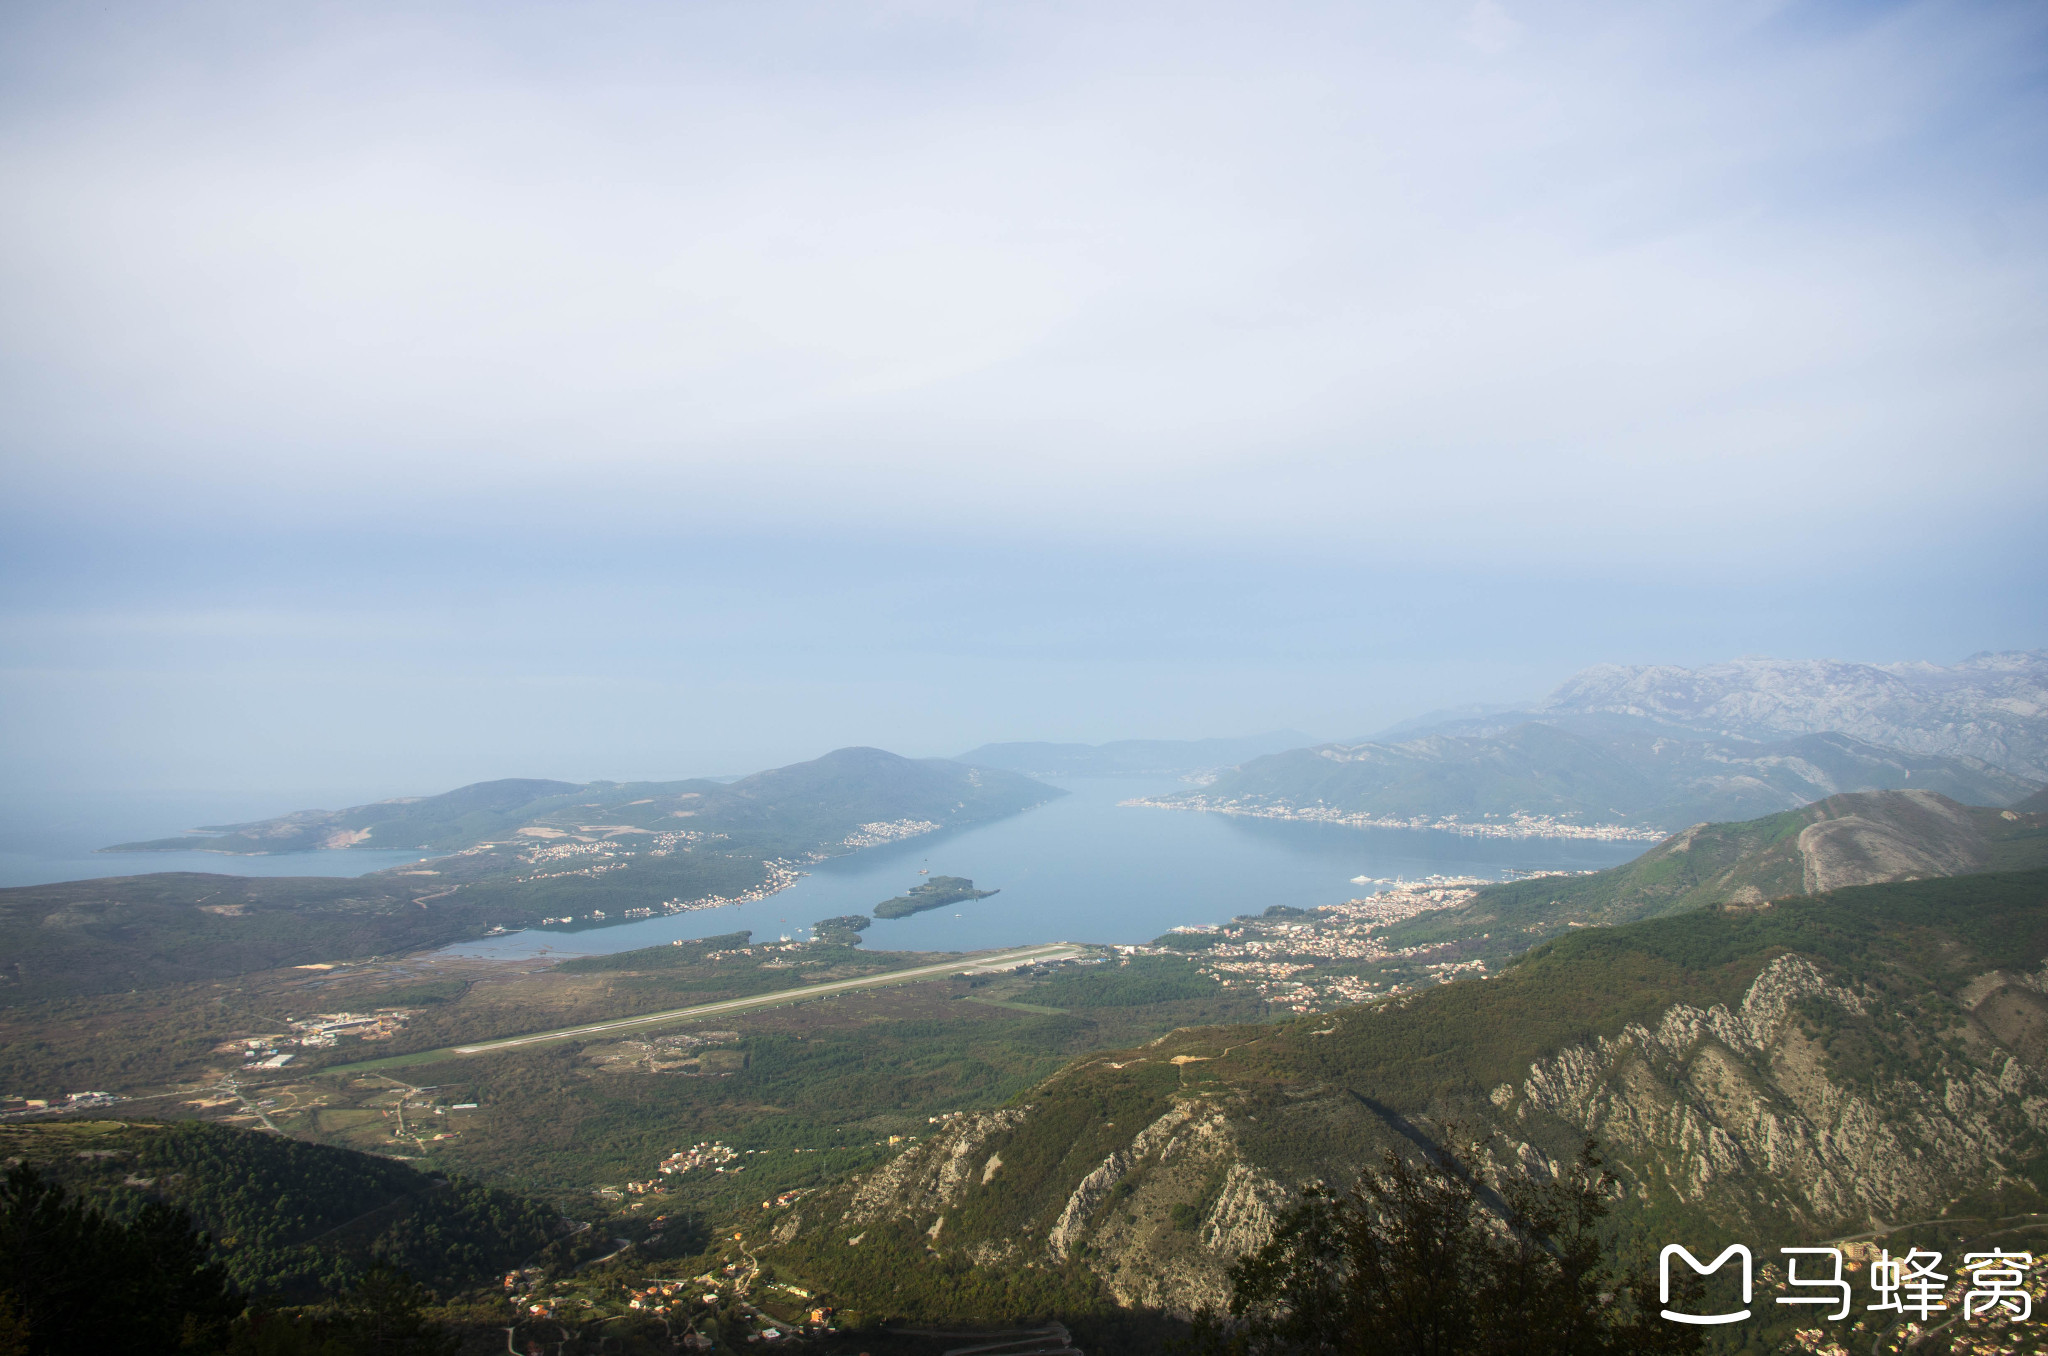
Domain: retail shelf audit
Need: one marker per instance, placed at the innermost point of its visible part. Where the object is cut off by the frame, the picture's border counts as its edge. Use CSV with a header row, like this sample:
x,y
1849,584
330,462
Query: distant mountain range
x,y
1643,748
807,805
1991,707
1585,770
1132,757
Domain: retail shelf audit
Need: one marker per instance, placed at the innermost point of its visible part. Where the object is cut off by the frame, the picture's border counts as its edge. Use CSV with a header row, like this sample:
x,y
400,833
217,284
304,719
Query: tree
x,y
383,1313
83,1282
13,1327
266,1332
1424,1260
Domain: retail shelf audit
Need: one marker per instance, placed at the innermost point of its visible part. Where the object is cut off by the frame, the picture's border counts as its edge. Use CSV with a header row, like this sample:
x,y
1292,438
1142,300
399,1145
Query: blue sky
x,y
396,395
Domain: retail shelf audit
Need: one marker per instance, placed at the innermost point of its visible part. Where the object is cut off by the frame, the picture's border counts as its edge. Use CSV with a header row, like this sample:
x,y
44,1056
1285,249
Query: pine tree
x,y
85,1283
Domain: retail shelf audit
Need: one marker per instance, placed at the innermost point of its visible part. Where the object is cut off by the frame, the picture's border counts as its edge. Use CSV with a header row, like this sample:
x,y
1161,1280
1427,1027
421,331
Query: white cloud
x,y
1489,27
1045,263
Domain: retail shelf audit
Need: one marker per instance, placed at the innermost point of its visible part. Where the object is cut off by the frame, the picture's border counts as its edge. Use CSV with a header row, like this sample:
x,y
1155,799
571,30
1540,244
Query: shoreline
x,y
1521,826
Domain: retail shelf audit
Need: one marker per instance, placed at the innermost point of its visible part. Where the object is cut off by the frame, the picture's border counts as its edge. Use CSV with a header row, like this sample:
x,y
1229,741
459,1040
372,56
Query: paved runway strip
x,y
964,965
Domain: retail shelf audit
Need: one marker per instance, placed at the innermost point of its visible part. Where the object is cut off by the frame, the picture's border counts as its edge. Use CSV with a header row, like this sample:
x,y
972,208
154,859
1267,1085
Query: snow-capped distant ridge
x,y
1992,706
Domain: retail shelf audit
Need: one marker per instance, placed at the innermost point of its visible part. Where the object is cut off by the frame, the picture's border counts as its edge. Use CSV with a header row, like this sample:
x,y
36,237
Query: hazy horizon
x,y
404,397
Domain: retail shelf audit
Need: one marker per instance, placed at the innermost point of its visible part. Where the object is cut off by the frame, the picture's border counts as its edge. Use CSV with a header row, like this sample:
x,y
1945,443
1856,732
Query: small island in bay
x,y
842,930
935,893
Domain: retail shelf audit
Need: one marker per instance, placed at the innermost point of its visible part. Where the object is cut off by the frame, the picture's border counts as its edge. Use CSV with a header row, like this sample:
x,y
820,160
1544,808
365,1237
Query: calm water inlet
x,y
1085,868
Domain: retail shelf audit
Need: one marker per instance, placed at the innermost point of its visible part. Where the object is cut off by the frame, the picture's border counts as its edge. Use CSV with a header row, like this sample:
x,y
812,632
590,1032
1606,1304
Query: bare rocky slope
x,y
1992,707
1831,1064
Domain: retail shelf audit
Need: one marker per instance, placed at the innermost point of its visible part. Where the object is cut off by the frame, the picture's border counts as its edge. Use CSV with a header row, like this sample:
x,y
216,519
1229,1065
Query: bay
x,y
50,836
1086,868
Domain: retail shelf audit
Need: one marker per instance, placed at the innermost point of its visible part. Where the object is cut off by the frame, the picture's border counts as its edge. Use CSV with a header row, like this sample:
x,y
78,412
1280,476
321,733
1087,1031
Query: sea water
x,y
1087,868
56,835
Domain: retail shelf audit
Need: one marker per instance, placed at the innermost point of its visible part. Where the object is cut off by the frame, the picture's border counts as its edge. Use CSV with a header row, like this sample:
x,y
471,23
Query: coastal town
x,y
779,876
891,831
1306,960
609,854
1513,826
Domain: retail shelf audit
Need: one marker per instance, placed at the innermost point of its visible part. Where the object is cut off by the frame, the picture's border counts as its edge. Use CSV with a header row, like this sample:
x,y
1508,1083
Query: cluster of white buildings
x,y
593,871
781,875
1516,825
319,1032
1283,959
894,831
17,1108
714,1155
562,852
322,1029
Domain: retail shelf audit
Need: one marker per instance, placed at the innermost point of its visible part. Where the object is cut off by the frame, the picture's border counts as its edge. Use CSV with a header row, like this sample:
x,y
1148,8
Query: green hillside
x,y
1533,769
287,1216
1848,1062
1461,1040
1588,772
1856,839
447,822
790,808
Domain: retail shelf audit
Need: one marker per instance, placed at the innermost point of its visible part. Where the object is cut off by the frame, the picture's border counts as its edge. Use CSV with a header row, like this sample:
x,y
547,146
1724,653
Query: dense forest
x,y
286,1217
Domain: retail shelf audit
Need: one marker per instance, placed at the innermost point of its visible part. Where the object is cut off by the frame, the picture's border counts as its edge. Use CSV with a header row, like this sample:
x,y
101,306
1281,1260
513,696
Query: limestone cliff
x,y
1868,1057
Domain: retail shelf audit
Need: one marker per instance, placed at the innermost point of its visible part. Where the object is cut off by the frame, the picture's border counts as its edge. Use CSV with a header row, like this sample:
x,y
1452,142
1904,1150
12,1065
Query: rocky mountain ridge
x,y
1992,706
1826,1066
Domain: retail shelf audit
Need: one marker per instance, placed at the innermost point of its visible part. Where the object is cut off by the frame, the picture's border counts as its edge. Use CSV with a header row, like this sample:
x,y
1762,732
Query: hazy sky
x,y
396,395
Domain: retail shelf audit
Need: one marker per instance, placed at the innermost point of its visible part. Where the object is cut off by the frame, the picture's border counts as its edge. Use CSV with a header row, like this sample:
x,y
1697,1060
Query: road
x,y
963,965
